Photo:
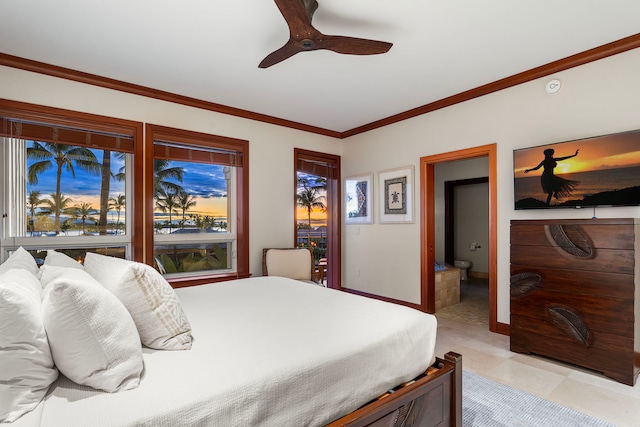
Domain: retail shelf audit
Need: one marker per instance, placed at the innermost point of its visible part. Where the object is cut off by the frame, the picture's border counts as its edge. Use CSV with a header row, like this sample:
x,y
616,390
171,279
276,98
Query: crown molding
x,y
92,79
595,54
600,52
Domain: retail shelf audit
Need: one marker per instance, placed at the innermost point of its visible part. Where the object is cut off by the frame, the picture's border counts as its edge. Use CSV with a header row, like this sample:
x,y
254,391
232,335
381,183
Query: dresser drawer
x,y
527,278
610,315
604,260
532,233
610,354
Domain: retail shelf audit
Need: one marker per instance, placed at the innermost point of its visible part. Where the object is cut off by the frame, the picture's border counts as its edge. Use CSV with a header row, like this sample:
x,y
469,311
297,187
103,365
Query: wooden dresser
x,y
575,294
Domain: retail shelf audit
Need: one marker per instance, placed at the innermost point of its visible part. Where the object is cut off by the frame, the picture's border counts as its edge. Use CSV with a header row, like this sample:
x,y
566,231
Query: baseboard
x,y
503,328
478,274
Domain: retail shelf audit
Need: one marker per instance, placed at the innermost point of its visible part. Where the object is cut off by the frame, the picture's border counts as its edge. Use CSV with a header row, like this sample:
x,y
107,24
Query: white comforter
x,y
268,351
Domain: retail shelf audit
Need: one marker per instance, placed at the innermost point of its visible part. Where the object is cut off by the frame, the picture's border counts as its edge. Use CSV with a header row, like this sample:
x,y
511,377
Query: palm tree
x,y
83,212
162,173
58,203
165,191
199,221
167,202
321,182
310,199
48,154
185,202
105,171
118,204
65,226
33,201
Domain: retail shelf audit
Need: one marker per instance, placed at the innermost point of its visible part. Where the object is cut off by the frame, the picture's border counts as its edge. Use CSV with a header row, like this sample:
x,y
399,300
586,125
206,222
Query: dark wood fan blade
x,y
353,45
294,12
304,37
286,51
310,6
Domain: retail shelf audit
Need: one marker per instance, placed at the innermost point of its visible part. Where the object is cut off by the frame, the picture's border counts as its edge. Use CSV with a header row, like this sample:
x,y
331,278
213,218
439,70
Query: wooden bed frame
x,y
432,399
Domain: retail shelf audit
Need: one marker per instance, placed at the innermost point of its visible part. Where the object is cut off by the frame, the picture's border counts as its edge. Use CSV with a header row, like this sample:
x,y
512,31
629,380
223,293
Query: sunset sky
x,y
605,152
205,182
318,216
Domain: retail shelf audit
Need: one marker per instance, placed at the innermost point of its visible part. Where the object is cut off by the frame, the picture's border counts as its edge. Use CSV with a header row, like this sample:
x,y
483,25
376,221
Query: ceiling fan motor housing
x,y
307,44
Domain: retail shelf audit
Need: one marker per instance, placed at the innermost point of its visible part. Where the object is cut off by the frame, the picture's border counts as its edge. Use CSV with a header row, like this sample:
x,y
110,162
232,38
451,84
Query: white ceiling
x,y
210,49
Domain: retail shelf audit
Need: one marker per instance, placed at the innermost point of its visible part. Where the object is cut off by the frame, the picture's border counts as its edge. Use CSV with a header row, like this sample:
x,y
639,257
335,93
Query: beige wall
x,y
270,147
451,171
471,226
597,98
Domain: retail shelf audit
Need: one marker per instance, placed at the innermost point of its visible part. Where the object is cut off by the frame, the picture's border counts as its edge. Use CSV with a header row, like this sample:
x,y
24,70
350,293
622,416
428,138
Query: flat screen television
x,y
590,172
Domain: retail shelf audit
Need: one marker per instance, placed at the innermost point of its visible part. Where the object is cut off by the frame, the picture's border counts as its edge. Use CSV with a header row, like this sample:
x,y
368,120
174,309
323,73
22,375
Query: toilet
x,y
463,266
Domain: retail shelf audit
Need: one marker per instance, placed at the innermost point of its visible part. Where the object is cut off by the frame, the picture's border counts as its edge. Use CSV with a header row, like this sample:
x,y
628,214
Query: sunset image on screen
x,y
598,171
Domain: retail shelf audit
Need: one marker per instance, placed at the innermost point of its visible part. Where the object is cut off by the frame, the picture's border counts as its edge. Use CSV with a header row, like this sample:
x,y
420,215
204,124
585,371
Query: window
x,y
74,182
312,213
65,185
317,214
197,204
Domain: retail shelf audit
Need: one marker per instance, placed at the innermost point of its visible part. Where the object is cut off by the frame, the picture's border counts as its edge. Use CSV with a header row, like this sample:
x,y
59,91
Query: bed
x,y
271,351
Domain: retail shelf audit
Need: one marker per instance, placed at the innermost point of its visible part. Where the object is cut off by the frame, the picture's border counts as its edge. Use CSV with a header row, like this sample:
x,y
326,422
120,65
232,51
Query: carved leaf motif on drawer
x,y
524,283
571,239
570,323
408,415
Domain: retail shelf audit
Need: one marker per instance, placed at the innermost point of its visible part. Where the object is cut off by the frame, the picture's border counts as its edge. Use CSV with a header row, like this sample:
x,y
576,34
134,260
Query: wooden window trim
x,y
163,133
73,119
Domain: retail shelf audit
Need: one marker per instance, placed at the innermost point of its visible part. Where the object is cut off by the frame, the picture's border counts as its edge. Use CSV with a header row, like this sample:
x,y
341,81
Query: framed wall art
x,y
396,195
358,199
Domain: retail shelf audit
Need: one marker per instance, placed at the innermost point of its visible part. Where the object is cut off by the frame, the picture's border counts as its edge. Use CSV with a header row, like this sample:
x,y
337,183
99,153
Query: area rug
x,y
487,403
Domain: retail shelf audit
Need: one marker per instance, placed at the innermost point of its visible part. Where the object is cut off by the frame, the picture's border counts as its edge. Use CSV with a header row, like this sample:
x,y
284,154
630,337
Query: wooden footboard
x,y
432,399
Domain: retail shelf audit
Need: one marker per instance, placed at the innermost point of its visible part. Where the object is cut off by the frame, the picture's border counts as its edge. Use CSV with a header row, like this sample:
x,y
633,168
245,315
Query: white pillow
x,y
93,339
26,366
59,259
21,259
49,273
150,299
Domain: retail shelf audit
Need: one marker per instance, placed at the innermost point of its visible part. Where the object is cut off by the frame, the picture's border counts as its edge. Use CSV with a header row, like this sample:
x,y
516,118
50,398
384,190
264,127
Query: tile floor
x,y
488,354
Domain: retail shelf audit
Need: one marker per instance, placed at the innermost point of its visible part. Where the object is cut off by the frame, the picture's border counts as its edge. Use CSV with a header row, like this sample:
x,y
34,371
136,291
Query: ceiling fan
x,y
304,37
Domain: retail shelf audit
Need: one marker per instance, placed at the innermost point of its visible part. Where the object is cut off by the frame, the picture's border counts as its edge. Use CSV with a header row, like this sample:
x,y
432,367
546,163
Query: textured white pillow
x,y
93,339
150,299
26,366
59,259
48,273
20,259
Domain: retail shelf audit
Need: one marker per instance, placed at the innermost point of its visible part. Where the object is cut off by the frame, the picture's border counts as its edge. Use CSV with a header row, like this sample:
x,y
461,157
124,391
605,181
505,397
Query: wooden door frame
x,y
427,227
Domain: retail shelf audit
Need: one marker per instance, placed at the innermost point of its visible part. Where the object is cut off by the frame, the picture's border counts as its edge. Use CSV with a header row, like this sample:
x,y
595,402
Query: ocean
x,y
591,183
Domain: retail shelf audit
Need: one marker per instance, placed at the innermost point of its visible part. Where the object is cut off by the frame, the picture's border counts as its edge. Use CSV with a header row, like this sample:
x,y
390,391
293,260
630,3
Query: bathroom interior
x,y
462,235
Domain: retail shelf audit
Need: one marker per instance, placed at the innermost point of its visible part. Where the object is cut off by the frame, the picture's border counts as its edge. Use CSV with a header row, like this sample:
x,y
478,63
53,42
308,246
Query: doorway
x,y
466,236
427,226
317,211
461,197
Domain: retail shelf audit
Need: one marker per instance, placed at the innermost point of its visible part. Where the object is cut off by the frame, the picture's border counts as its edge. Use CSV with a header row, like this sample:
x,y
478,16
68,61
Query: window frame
x,y
240,209
73,119
318,163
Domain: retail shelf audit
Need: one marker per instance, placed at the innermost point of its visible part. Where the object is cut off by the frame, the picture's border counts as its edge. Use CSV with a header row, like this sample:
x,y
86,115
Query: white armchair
x,y
294,263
